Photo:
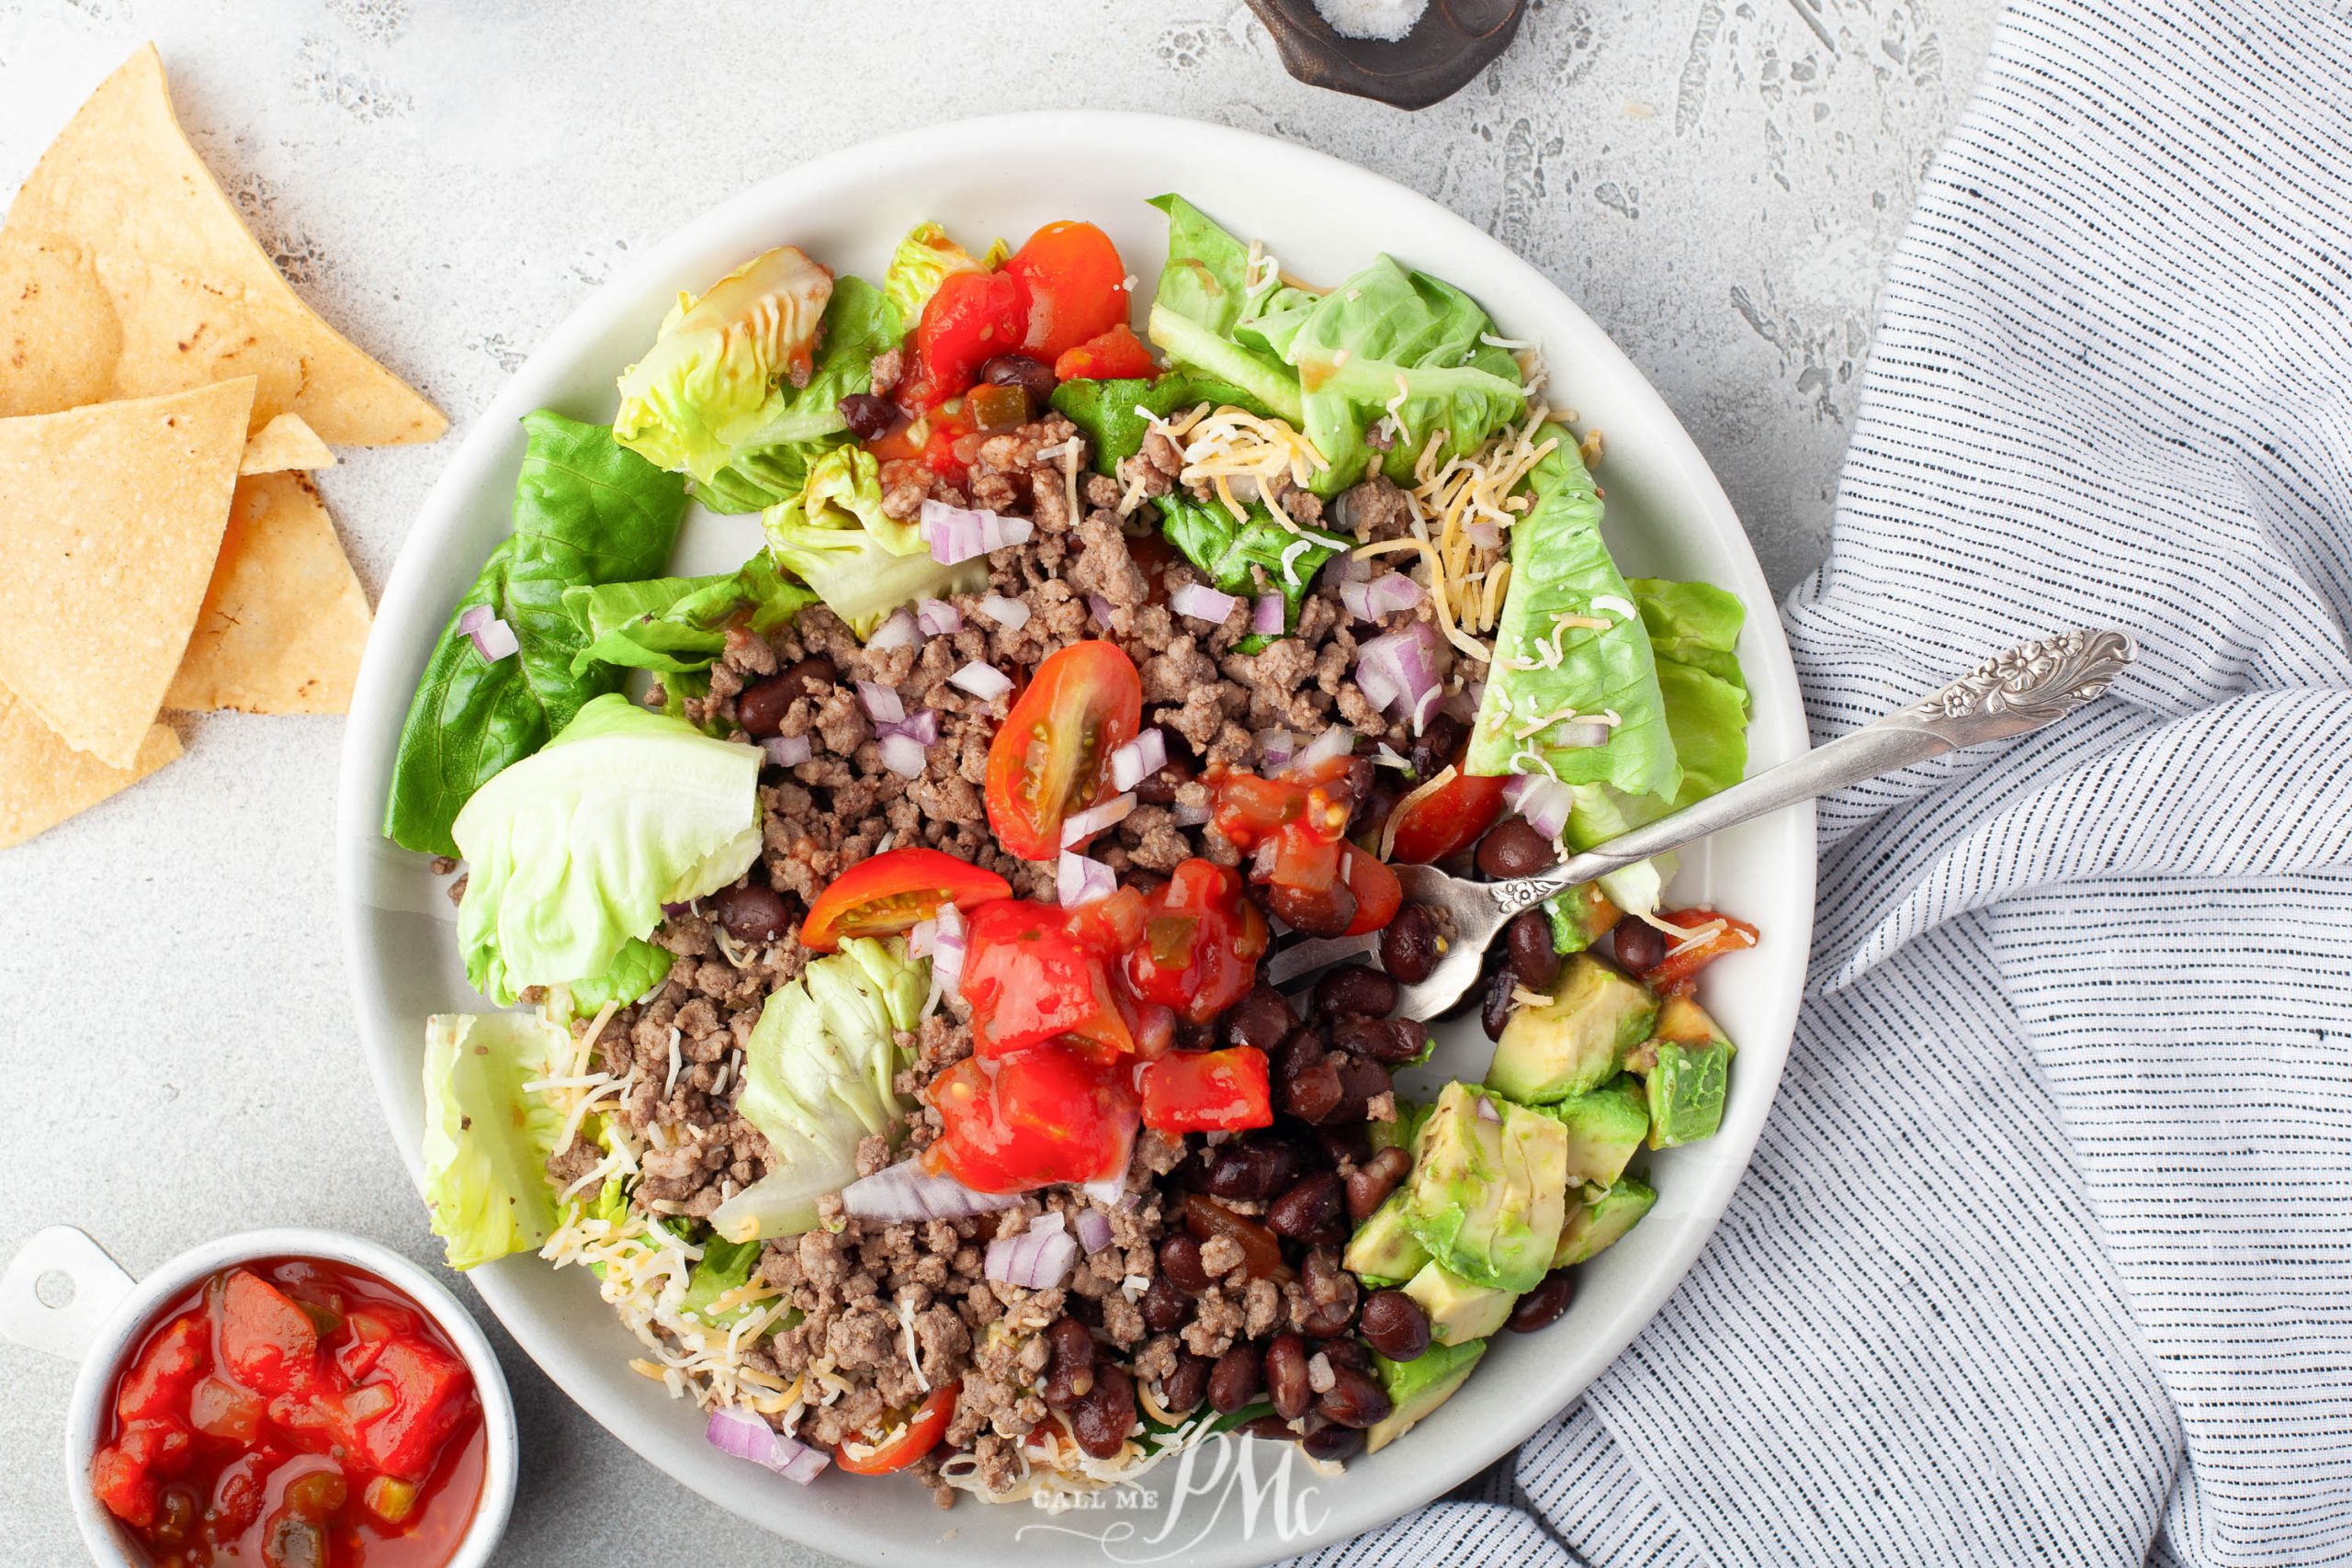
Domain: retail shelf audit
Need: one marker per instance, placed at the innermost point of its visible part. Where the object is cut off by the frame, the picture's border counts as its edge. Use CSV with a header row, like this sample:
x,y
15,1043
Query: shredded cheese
x,y
1698,935
1219,446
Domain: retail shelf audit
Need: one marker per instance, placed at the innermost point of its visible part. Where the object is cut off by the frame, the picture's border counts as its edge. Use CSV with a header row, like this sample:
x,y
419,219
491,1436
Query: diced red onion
x,y
1349,567
1038,1259
1100,609
1544,801
1094,1228
740,1432
985,682
1398,672
880,702
937,617
919,938
1392,591
897,630
1138,759
1337,741
493,638
920,727
905,1192
1187,815
1483,533
1266,615
960,533
1081,826
1009,613
904,755
1201,603
1486,1112
1355,597
1276,748
1079,880
787,751
1111,1191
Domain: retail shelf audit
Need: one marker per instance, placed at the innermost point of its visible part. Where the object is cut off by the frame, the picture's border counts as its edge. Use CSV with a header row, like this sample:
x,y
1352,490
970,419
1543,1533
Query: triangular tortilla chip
x,y
199,299
43,781
58,337
285,619
113,516
283,445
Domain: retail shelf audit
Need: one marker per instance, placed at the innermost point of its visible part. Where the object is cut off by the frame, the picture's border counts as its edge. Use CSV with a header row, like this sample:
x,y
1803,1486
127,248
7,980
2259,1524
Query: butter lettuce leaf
x,y
924,259
675,623
834,536
1110,413
488,1139
818,1077
1248,556
1205,296
573,852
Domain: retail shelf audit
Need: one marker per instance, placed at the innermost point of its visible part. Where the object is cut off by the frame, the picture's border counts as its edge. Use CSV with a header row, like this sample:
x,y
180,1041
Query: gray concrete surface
x,y
1719,182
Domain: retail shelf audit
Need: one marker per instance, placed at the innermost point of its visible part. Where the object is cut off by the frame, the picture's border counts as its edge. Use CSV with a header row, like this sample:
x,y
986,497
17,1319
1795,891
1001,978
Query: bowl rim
x,y
130,1318
1778,729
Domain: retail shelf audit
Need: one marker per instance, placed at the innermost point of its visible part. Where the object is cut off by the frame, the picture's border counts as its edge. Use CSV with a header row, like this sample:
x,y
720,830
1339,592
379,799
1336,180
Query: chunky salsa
x,y
293,1413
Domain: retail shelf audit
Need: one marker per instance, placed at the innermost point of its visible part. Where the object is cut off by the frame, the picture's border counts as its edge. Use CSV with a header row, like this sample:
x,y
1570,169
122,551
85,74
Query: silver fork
x,y
2012,693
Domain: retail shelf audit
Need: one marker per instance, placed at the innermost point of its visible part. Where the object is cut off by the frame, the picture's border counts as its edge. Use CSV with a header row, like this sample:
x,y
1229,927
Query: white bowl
x,y
106,1313
1667,517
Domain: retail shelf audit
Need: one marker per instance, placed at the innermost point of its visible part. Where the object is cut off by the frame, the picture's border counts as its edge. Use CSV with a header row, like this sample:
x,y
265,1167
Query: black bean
x,y
1360,1084
1160,788
1394,1323
1373,808
811,677
1286,1383
1532,957
1433,748
1312,1203
1032,376
1255,1170
1261,1019
1100,1420
1315,1092
1179,1261
1327,913
1328,1291
1235,1379
1408,946
1355,988
1542,1306
1070,1371
1344,1143
1346,1352
1332,1442
1164,1305
1369,1184
1354,1399
1494,1010
1392,1041
869,417
1185,1388
1640,946
1513,847
761,706
1268,1426
753,913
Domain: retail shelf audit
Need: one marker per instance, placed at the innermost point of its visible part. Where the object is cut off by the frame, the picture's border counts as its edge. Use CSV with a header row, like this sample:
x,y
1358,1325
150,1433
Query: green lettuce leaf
x,y
1204,297
724,1266
1561,567
775,459
573,852
585,513
1109,412
834,536
1382,332
487,1139
677,624
817,1078
923,260
1247,557
633,972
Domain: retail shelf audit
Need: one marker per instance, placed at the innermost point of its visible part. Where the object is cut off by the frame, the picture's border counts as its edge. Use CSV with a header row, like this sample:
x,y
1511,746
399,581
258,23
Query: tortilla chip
x,y
113,516
59,340
285,619
43,781
198,299
284,444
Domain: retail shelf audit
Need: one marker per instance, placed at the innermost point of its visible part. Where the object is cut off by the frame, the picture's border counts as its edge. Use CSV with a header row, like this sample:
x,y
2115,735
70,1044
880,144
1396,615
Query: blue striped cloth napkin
x,y
2046,1254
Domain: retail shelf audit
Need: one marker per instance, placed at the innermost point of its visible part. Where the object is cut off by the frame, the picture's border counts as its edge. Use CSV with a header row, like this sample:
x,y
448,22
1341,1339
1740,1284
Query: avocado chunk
x,y
1488,1189
1401,1132
1580,916
1419,1386
1685,1070
1604,1128
1459,1310
1597,1222
1383,1251
1576,1042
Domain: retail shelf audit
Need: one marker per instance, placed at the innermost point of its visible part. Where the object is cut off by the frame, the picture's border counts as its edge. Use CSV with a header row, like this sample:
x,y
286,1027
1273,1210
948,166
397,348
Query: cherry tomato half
x,y
1201,943
969,321
1679,972
1107,357
1030,978
910,1441
891,892
1207,1092
1377,893
1051,757
1073,287
1448,820
1042,1116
